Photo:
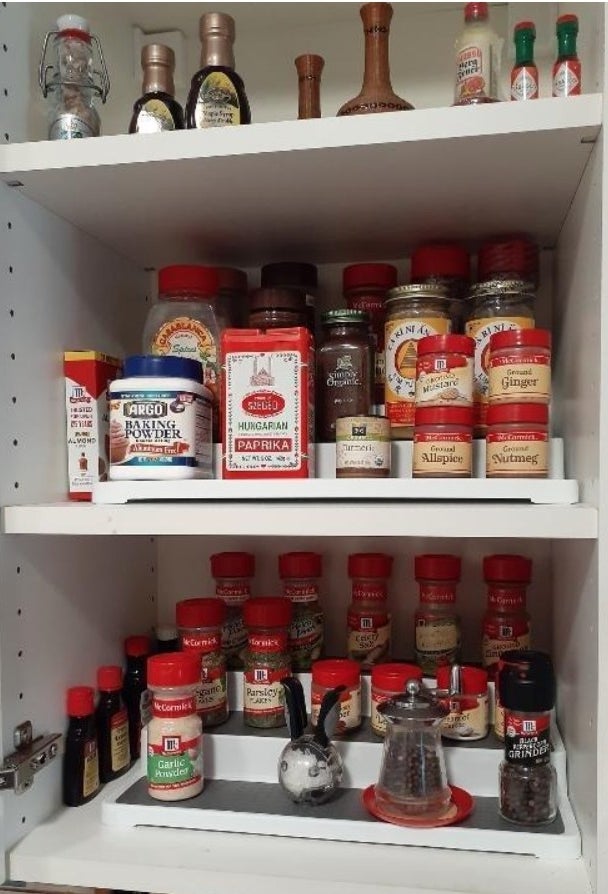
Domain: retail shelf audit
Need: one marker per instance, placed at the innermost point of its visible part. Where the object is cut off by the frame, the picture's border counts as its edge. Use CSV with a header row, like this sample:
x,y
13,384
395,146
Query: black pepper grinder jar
x,y
528,781
413,779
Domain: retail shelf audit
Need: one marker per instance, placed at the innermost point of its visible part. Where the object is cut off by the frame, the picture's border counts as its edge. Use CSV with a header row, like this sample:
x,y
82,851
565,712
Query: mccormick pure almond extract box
x,y
267,403
87,374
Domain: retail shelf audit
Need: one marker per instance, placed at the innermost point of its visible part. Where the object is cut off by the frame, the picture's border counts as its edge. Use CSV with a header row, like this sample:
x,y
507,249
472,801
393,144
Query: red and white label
x,y
524,83
567,78
173,707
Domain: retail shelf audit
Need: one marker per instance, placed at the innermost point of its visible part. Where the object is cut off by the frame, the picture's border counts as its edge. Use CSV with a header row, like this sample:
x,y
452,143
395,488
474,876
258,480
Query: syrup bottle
x,y
217,95
567,67
524,75
157,110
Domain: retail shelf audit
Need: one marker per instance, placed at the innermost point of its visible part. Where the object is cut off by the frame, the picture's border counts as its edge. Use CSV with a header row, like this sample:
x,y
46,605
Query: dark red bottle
x,y
81,760
137,649
112,725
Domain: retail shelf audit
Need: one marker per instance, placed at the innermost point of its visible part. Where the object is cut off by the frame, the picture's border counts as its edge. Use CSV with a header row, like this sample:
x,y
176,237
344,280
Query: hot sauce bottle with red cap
x,y
524,74
567,66
477,58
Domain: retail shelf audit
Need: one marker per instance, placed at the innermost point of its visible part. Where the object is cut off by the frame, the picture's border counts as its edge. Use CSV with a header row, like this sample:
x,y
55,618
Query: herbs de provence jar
x,y
437,623
267,660
368,618
233,572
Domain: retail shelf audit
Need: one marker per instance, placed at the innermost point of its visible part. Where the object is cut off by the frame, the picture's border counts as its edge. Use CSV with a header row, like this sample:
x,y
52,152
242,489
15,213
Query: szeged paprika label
x,y
444,381
402,337
515,379
517,453
442,455
527,739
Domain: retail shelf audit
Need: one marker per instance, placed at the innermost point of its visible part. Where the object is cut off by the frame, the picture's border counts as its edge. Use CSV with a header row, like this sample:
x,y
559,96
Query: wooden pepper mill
x,y
309,68
376,93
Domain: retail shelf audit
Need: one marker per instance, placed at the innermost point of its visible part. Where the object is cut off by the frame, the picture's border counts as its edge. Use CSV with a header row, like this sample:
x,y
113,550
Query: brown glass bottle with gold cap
x,y
157,109
217,95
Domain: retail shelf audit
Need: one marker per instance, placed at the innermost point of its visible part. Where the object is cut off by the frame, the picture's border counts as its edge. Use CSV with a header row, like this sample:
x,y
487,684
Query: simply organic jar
x,y
160,421
519,368
363,447
327,675
517,443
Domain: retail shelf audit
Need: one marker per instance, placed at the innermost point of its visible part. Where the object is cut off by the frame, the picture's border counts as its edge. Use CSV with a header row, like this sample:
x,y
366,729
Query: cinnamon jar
x,y
517,443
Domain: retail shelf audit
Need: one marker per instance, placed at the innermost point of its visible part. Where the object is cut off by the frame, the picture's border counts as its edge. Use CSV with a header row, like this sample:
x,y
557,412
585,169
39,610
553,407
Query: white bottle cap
x,y
71,22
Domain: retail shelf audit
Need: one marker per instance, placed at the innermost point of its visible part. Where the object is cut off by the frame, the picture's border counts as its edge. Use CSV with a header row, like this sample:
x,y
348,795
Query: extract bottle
x,y
81,760
524,74
137,649
217,95
157,109
567,66
112,725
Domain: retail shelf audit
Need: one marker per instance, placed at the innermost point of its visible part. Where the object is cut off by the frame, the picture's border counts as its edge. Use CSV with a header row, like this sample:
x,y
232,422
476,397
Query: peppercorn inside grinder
x,y
413,779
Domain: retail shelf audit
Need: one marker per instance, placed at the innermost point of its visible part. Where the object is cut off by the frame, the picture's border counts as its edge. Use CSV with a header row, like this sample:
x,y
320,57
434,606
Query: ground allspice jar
x,y
233,572
300,573
327,675
387,681
199,622
519,367
368,618
436,621
517,441
267,660
528,781
443,442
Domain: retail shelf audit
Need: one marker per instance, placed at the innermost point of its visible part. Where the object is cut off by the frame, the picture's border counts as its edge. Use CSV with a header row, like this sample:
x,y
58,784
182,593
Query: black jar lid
x,y
277,299
526,681
291,275
345,316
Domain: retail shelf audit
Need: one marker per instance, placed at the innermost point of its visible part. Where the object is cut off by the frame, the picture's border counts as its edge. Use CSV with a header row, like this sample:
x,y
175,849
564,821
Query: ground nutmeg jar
x,y
387,681
300,573
368,619
443,442
199,622
519,368
327,675
267,660
233,572
436,621
517,442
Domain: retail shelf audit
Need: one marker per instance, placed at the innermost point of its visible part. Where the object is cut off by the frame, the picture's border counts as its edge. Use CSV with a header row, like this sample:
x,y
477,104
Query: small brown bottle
x,y
309,68
157,109
217,95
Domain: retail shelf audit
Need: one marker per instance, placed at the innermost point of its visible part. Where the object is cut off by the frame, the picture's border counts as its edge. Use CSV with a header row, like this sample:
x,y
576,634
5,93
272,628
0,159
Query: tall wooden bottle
x,y
309,68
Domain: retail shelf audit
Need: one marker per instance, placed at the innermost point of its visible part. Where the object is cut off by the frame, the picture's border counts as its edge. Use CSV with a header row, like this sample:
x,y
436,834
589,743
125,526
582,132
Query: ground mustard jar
x,y
519,367
496,306
444,371
412,312
517,443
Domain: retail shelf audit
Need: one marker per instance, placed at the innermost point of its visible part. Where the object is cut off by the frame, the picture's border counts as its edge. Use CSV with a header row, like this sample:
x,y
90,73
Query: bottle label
x,y
402,337
443,593
368,638
306,638
173,707
234,593
474,70
263,692
567,78
189,338
68,126
481,329
211,695
174,763
437,641
160,429
514,453
119,741
468,717
524,83
527,739
444,381
350,707
217,104
234,634
154,117
498,638
343,375
90,777
442,454
308,592
514,378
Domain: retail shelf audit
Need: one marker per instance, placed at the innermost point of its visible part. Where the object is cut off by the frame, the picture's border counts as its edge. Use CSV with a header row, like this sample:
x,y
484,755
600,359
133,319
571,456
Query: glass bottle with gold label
x,y
217,95
157,109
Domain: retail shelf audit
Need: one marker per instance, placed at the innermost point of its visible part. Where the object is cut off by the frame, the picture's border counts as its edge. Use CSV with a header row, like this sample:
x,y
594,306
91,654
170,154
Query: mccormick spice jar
x,y
368,619
233,573
365,287
517,443
267,660
387,681
506,623
443,442
363,447
345,364
277,309
465,692
268,403
412,313
199,623
436,621
327,675
508,258
444,371
300,573
444,264
175,741
496,306
519,367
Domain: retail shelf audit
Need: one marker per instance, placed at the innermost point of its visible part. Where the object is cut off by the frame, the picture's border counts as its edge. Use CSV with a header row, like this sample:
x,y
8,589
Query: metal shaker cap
x,y
157,54
216,23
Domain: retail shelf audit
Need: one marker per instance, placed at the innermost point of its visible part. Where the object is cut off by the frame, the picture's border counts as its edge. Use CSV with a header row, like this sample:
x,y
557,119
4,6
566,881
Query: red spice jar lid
x,y
190,279
394,675
382,276
443,416
267,611
503,414
472,679
449,344
516,338
336,672
507,568
232,564
174,669
300,565
441,258
201,612
515,255
109,678
437,566
137,646
372,565
80,701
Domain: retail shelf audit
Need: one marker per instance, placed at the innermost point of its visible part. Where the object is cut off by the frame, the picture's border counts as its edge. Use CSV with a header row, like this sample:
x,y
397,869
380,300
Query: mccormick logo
x,y
263,403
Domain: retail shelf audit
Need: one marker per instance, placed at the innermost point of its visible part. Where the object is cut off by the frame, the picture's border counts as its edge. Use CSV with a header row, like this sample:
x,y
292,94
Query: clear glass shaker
x,y
413,779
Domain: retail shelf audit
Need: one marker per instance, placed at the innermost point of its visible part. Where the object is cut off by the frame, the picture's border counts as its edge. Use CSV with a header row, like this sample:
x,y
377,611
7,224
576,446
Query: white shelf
x,y
299,519
300,189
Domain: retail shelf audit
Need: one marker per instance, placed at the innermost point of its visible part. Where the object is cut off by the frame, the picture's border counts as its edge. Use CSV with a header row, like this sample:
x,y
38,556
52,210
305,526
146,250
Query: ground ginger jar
x,y
517,442
443,442
267,660
519,367
175,752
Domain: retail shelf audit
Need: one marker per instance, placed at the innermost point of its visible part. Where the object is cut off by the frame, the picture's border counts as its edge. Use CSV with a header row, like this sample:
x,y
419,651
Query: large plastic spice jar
x,y
267,660
519,367
368,618
300,573
517,442
233,572
448,265
199,623
327,675
436,621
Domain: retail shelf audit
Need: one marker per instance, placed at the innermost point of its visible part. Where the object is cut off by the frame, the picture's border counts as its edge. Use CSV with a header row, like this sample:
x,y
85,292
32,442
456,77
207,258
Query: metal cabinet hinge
x,y
29,757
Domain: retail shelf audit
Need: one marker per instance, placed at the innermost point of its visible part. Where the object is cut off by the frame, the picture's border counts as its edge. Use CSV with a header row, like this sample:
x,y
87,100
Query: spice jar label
x,y
350,708
211,694
444,593
498,638
437,642
306,638
174,763
160,429
474,69
513,380
119,741
263,692
447,381
401,351
233,594
301,592
218,103
189,338
365,591
368,638
363,444
173,707
234,634
90,777
527,739
378,722
468,718
442,455
517,453
194,642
